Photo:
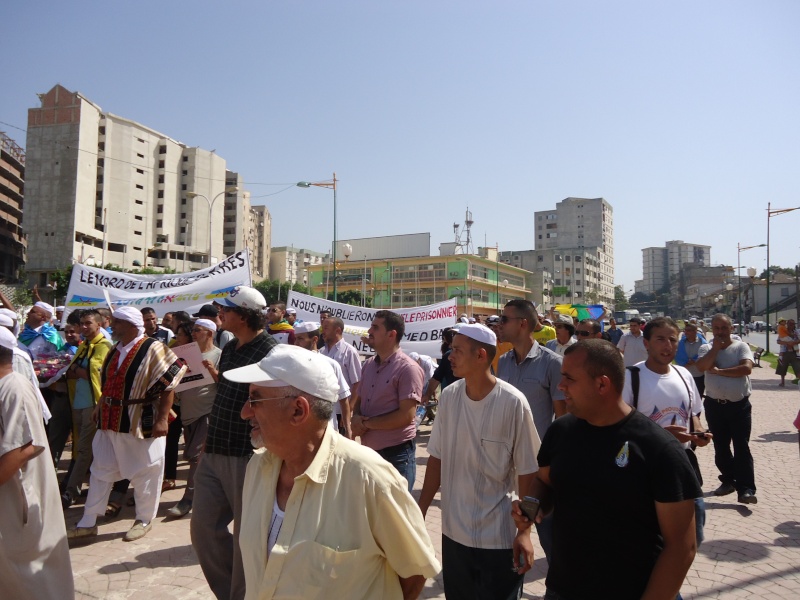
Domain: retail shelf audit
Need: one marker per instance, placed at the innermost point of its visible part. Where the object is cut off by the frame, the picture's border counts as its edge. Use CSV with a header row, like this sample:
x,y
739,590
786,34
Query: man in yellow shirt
x,y
299,535
542,333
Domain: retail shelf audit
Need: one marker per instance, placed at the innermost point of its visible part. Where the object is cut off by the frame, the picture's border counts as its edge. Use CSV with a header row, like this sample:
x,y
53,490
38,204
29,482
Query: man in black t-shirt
x,y
620,486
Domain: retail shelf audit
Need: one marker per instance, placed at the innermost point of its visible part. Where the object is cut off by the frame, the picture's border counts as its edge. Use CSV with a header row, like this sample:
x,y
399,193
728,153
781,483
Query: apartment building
x,y
125,194
287,263
13,243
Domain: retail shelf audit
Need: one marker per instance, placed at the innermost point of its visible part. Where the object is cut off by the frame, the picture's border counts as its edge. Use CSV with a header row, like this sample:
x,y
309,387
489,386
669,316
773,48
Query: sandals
x,y
113,510
168,484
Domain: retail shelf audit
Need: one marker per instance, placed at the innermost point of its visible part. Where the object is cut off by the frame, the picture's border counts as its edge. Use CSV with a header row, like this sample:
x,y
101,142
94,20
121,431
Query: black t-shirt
x,y
606,537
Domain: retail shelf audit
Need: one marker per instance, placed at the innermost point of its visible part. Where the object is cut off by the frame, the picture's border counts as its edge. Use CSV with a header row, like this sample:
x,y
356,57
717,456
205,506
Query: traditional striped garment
x,y
149,369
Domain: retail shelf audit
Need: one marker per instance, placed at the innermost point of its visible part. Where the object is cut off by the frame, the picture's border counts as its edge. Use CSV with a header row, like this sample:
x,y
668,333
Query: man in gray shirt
x,y
727,364
536,372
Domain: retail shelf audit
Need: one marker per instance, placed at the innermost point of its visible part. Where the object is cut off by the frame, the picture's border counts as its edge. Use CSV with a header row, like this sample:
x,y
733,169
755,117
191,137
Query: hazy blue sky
x,y
684,115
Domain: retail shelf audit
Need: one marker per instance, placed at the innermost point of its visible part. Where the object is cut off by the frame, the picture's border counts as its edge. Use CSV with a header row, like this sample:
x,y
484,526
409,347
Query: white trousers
x,y
122,456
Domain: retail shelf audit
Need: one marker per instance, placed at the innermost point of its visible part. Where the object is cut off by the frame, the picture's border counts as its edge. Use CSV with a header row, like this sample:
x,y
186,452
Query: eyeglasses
x,y
274,310
583,333
251,401
505,319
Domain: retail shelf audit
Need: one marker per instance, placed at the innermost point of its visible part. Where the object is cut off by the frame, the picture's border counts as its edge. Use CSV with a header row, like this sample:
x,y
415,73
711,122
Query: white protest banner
x,y
90,287
424,324
196,373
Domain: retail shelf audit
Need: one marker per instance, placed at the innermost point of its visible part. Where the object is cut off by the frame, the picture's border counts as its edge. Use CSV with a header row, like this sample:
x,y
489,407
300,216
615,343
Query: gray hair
x,y
321,409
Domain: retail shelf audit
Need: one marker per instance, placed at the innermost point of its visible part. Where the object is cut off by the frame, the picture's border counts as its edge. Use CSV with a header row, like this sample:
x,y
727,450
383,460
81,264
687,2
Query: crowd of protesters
x,y
302,455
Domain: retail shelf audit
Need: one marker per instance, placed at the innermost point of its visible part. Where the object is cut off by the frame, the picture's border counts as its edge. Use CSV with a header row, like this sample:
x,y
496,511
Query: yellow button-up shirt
x,y
350,528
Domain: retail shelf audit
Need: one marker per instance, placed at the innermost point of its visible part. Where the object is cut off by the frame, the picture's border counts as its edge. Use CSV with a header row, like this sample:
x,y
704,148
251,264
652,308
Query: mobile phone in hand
x,y
529,507
701,434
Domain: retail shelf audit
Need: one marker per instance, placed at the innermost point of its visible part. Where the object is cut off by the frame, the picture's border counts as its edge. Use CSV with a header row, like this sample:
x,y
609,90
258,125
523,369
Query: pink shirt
x,y
383,385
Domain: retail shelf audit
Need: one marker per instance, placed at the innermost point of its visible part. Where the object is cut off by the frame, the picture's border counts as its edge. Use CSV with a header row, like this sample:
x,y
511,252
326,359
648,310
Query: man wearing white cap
x,y
300,536
482,437
306,335
291,317
220,474
139,376
196,405
34,556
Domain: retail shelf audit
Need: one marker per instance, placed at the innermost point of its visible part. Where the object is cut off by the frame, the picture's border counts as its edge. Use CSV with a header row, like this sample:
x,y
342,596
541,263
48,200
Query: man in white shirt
x,y
668,396
631,344
346,355
482,437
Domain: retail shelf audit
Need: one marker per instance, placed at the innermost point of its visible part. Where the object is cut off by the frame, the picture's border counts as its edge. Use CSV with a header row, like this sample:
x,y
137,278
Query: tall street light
x,y
772,213
739,250
228,190
329,185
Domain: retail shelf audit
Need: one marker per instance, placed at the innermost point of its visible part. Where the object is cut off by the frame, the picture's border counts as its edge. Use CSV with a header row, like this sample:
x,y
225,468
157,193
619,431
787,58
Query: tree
x,y
278,291
774,269
352,297
620,301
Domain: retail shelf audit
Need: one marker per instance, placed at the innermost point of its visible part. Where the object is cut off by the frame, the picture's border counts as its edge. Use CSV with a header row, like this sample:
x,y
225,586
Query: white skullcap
x,y
208,324
306,327
45,306
129,314
59,309
9,313
5,321
479,333
7,339
413,356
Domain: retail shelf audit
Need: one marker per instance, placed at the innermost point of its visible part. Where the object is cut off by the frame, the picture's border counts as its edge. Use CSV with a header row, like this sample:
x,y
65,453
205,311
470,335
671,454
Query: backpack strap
x,y
635,385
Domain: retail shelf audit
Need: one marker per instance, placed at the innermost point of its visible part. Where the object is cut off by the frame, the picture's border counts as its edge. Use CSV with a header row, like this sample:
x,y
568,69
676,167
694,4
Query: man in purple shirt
x,y
387,398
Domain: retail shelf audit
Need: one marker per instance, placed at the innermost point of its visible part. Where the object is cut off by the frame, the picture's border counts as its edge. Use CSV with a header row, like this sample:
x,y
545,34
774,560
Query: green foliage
x,y
774,269
275,291
620,301
352,297
22,297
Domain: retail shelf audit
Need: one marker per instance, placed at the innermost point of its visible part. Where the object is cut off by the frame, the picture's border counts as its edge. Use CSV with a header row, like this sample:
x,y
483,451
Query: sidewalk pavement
x,y
749,552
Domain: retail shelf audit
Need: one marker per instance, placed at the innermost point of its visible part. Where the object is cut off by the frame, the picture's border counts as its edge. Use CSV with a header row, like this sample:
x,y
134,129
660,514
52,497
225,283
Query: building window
x,y
160,179
139,201
140,155
160,209
183,187
139,187
183,215
159,224
160,193
137,233
184,172
183,200
185,159
161,164
162,149
140,140
140,171
183,229
138,217
567,258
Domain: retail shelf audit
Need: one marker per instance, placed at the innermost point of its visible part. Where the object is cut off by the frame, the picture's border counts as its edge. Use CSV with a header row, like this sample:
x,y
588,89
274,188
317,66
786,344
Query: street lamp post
x,y
739,250
227,190
772,213
329,185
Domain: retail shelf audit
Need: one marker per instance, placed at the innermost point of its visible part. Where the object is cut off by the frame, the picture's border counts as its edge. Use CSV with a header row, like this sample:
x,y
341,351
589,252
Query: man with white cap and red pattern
x,y
300,535
483,437
139,376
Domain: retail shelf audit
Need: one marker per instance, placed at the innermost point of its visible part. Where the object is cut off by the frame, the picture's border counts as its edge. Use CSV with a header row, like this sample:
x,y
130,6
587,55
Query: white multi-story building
x,y
575,244
287,263
104,187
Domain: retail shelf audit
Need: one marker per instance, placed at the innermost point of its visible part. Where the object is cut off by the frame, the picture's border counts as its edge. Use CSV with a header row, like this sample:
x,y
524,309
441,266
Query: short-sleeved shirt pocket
x,y
495,458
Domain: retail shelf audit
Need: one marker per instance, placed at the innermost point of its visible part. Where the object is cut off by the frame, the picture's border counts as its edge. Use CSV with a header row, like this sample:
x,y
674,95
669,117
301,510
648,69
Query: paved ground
x,y
748,553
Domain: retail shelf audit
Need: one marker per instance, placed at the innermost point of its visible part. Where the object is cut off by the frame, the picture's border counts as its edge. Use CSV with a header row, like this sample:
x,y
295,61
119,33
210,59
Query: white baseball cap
x,y
479,333
291,311
243,297
293,366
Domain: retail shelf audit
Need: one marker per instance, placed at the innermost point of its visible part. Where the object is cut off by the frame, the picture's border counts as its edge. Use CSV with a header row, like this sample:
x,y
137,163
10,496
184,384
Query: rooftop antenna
x,y
464,237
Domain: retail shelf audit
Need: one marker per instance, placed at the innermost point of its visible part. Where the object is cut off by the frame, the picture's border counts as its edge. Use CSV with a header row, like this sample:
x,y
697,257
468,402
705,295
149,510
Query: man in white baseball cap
x,y
220,474
482,437
310,468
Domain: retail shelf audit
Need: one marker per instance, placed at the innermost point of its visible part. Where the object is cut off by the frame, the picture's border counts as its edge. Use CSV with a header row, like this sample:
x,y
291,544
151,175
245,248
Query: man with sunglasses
x,y
279,327
220,474
588,329
536,372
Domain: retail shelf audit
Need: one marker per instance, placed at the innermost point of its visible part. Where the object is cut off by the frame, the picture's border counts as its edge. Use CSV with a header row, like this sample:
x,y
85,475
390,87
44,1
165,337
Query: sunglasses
x,y
583,333
505,319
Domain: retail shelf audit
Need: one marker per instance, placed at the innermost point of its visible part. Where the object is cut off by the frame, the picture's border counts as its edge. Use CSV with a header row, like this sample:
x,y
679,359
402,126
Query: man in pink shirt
x,y
387,398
